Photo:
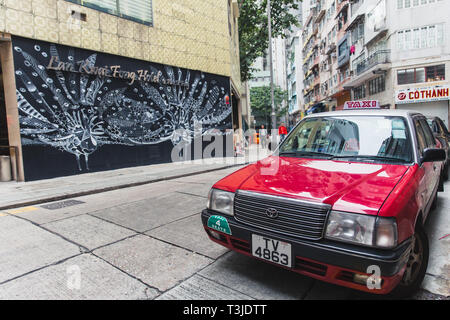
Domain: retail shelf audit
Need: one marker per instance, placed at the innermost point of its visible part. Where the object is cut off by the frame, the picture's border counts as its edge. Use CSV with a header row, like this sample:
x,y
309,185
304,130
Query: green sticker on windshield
x,y
219,223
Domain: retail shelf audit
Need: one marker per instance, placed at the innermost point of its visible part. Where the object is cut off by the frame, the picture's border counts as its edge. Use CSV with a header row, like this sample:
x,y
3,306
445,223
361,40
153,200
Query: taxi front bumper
x,y
330,261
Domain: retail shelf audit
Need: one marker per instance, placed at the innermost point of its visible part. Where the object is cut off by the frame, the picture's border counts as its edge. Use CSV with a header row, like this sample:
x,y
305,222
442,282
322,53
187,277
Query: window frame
x,y
377,85
420,136
429,136
119,15
427,69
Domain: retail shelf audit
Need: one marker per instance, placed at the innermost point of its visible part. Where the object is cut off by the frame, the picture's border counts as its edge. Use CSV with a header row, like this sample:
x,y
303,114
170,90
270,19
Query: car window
x,y
354,136
433,125
429,137
421,141
442,126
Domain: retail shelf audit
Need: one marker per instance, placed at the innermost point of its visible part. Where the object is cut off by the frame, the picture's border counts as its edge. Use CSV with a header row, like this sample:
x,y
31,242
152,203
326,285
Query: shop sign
x,y
426,94
364,104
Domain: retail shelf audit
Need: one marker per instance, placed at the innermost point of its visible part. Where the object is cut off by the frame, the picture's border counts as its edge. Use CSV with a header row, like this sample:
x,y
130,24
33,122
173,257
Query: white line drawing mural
x,y
78,113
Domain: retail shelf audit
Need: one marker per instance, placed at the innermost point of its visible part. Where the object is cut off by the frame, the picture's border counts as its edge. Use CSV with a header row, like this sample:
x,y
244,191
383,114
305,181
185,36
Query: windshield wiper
x,y
305,153
369,158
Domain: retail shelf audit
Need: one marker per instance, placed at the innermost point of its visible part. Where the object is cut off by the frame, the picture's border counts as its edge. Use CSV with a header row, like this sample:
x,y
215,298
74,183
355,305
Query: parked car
x,y
344,197
440,132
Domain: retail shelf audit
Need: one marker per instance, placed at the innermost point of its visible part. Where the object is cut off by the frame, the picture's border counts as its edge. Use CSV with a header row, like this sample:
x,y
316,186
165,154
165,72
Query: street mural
x,y
77,101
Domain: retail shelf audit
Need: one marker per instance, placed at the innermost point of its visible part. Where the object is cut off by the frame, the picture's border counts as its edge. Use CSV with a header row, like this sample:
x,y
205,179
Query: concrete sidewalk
x,y
18,194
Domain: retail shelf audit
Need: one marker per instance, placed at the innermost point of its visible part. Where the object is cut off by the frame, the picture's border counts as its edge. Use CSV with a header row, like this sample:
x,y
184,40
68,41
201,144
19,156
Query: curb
x,y
106,189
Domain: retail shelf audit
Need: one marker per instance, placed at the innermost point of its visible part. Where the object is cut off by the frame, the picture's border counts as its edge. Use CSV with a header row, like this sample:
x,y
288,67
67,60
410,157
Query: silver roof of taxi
x,y
366,112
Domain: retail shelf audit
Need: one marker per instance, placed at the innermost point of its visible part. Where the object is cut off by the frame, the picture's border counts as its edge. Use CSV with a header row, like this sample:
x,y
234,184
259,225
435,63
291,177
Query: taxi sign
x,y
364,104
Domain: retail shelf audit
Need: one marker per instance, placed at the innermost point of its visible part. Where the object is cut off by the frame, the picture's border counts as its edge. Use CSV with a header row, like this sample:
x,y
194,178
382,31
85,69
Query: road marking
x,y
21,210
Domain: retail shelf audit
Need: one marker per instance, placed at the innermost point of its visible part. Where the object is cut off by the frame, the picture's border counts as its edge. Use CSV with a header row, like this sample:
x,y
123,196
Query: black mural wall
x,y
83,111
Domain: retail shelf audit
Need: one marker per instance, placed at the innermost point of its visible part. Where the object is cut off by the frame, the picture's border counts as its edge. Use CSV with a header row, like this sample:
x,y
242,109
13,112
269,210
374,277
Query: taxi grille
x,y
295,218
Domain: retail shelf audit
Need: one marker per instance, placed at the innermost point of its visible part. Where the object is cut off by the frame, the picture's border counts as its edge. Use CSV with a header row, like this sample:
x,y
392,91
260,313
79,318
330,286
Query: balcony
x,y
316,81
376,63
330,48
320,15
379,57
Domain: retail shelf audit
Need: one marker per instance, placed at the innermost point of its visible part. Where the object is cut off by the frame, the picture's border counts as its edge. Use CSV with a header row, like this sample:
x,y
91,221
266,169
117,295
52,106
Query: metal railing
x,y
378,57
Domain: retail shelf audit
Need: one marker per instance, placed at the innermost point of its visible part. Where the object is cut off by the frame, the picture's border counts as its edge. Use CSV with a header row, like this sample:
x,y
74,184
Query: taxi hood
x,y
347,186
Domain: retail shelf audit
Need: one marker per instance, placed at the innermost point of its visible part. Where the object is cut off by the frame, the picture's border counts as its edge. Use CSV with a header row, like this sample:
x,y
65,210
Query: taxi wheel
x,y
446,172
416,266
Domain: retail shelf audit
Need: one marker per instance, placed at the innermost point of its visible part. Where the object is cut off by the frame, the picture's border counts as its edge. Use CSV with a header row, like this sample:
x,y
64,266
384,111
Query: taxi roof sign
x,y
364,104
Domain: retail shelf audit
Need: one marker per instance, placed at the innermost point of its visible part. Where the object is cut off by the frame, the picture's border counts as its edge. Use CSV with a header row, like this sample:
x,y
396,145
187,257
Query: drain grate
x,y
61,204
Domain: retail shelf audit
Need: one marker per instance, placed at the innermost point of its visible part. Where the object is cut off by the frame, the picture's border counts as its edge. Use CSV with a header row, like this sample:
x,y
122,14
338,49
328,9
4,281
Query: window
x,y
400,40
407,45
421,141
423,41
429,137
358,32
416,37
404,4
365,136
343,48
425,37
359,92
136,10
377,85
431,36
435,73
420,75
423,74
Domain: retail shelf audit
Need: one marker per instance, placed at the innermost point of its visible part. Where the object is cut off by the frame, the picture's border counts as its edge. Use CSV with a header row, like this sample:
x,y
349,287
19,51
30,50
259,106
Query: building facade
x,y
294,74
420,44
393,52
97,85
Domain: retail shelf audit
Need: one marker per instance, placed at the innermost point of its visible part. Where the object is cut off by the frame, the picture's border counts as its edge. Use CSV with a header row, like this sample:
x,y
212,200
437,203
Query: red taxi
x,y
343,199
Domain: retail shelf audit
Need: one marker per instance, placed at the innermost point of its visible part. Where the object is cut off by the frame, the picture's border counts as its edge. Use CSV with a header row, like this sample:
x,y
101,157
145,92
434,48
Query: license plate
x,y
272,250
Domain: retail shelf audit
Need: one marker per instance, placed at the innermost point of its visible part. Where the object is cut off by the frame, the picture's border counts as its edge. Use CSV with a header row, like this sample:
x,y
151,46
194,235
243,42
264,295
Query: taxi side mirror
x,y
433,155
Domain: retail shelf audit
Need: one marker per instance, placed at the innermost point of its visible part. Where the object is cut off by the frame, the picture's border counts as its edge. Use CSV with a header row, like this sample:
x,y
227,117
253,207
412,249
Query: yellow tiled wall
x,y
192,34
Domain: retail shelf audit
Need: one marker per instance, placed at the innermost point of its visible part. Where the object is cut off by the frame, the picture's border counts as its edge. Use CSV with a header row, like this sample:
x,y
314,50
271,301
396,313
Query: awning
x,y
355,21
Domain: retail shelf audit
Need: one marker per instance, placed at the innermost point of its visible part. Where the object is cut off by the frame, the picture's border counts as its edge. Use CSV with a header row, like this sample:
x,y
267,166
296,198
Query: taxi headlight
x,y
221,201
362,229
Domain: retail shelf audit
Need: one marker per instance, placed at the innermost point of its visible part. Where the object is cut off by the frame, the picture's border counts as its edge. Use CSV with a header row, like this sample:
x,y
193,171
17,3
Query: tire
x,y
446,172
416,266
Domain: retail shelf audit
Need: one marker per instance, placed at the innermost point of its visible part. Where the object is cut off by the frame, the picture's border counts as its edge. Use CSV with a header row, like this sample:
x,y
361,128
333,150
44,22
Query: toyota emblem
x,y
272,213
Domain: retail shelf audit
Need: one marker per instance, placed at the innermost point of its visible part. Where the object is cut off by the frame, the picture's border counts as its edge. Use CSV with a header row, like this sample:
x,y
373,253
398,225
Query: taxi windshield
x,y
373,138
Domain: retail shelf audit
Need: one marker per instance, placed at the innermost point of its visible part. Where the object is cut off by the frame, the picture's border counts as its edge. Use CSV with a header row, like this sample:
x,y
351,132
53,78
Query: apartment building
x,y
393,53
420,44
96,85
294,73
261,74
